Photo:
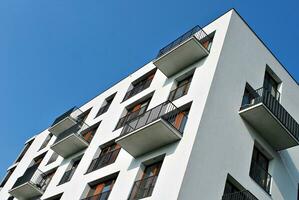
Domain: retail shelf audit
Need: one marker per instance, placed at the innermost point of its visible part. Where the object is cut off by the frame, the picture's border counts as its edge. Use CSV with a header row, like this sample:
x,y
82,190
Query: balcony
x,y
143,188
159,126
32,184
65,121
260,176
262,110
101,196
242,195
184,51
71,141
103,160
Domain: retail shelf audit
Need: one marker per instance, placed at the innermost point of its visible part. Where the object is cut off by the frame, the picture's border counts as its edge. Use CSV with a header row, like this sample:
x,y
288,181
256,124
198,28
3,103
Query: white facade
x,y
216,140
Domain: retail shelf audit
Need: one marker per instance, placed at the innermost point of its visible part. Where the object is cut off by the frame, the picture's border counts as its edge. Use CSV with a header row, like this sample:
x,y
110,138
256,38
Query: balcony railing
x,y
137,89
143,188
101,196
67,176
179,92
103,160
196,32
76,129
271,100
130,116
33,176
166,111
242,195
73,112
103,109
260,176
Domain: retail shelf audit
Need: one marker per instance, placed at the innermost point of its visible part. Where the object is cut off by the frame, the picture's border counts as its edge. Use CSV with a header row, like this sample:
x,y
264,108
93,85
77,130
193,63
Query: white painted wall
x,y
215,136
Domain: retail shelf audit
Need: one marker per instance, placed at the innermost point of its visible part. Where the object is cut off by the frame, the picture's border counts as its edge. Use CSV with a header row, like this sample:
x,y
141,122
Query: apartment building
x,y
213,116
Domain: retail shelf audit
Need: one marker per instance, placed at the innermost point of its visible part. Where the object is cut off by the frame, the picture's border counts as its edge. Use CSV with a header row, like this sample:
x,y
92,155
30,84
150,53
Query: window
x,y
8,174
181,88
144,187
140,84
100,191
47,178
27,145
82,117
46,142
89,133
53,158
271,85
259,169
108,156
132,112
106,105
70,172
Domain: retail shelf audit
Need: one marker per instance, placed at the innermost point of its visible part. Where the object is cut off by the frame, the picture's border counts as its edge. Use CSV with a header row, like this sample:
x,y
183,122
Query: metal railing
x,y
74,112
101,196
196,31
242,195
138,88
130,116
76,129
33,176
67,176
271,100
143,188
179,92
260,176
166,111
103,160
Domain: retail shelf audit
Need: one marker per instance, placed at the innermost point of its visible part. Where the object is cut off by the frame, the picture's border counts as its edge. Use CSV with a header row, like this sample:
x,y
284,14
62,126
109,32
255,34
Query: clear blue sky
x,y
58,53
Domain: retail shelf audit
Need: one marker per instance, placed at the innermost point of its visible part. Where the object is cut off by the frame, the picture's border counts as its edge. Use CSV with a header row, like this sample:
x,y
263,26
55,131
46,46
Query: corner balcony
x,y
242,195
159,126
184,51
30,185
262,110
65,121
72,141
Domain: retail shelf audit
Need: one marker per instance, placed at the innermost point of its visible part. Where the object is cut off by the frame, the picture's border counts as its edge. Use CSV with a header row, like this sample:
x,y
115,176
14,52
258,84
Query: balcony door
x,y
101,191
271,85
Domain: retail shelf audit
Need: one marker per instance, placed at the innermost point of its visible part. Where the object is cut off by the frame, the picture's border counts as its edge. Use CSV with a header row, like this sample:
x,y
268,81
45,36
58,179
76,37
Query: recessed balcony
x,y
184,51
72,141
262,110
31,185
159,126
242,195
65,121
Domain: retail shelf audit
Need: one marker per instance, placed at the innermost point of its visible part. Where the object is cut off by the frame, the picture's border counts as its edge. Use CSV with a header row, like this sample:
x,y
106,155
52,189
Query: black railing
x,y
143,188
103,160
64,115
101,196
130,116
138,88
76,129
195,31
179,92
67,176
242,195
271,100
166,111
33,176
260,176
